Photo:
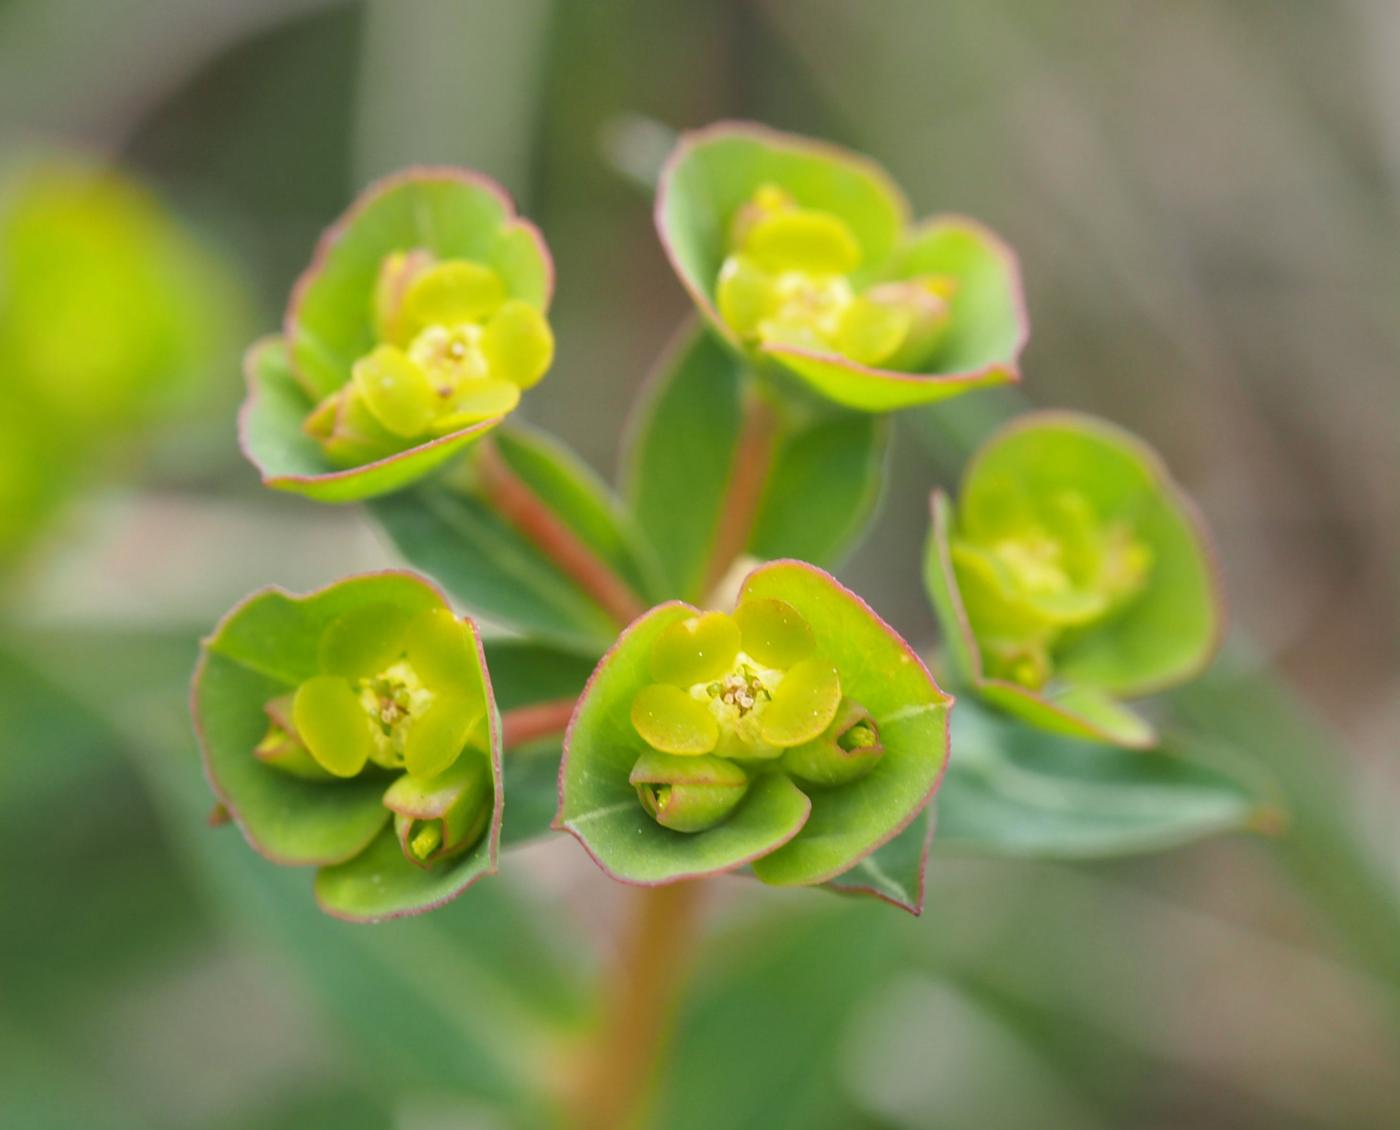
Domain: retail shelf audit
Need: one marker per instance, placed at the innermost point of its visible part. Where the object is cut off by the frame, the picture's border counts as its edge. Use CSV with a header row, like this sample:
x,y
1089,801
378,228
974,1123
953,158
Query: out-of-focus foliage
x,y
1203,195
109,311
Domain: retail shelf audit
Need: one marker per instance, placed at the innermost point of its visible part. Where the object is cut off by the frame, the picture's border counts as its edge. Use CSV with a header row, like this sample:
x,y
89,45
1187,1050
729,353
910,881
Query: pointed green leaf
x,y
894,871
1014,790
819,493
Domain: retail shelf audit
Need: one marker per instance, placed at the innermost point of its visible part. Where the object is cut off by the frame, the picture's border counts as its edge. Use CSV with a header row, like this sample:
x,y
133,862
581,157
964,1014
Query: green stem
x,y
507,494
753,459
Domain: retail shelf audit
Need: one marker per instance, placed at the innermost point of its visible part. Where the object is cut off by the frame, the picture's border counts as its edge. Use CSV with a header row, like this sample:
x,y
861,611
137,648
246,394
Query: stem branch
x,y
619,1066
539,719
543,529
753,459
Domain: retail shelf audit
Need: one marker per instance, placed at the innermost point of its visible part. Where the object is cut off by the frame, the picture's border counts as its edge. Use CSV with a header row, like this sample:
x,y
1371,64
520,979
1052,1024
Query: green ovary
x,y
787,280
1032,582
732,694
454,349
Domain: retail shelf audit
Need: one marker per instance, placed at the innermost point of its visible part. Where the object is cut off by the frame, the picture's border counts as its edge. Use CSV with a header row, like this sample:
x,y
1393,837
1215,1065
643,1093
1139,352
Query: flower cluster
x,y
355,730
453,350
788,280
739,695
394,692
1071,574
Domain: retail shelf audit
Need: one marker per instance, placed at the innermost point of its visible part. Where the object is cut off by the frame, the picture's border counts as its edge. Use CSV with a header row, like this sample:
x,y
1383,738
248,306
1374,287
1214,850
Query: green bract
x,y
1072,573
802,254
798,734
354,730
413,332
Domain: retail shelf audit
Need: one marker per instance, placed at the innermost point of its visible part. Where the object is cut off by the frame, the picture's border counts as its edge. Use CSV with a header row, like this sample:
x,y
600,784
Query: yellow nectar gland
x,y
390,698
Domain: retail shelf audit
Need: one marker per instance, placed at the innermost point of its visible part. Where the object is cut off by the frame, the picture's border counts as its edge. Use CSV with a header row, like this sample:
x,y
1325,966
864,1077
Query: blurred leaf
x,y
1013,790
759,1042
823,489
681,445
820,488
524,673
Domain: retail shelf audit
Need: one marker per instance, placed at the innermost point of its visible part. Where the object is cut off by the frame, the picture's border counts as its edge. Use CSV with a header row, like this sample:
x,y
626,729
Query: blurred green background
x,y
1206,199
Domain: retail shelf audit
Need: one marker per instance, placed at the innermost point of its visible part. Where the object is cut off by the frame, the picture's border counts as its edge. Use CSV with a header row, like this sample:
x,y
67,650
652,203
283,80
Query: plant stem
x,y
618,1074
753,458
539,719
513,499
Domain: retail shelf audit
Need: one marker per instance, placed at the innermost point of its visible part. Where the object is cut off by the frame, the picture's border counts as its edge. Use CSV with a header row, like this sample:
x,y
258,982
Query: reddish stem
x,y
753,459
542,528
619,1067
538,720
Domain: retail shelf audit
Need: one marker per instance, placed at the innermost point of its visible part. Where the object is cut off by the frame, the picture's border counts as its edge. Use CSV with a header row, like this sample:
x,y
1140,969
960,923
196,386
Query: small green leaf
x,y
819,493
380,883
823,489
680,450
1014,790
894,872
270,431
599,805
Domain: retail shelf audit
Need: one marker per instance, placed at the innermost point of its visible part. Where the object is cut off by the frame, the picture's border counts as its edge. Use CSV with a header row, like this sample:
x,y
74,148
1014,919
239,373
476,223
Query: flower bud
x,y
846,751
280,747
688,794
442,816
396,275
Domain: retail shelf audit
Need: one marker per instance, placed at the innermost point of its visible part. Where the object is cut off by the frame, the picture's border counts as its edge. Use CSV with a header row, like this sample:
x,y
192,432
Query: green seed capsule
x,y
334,726
671,721
363,641
281,749
847,750
396,390
445,815
774,632
688,794
696,650
805,240
451,294
803,704
518,344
